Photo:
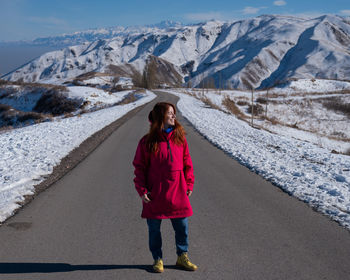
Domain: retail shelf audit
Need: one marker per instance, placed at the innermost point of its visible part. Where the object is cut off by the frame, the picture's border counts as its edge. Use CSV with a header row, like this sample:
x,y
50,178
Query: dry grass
x,y
188,92
6,128
34,85
131,97
13,118
67,115
301,108
274,121
336,104
231,106
208,102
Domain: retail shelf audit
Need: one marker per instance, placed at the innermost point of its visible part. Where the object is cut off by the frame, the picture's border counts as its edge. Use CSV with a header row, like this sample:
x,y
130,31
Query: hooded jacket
x,y
166,176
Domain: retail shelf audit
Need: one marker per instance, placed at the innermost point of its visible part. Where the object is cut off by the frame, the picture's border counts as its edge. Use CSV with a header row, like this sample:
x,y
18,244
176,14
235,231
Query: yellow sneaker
x,y
158,266
184,262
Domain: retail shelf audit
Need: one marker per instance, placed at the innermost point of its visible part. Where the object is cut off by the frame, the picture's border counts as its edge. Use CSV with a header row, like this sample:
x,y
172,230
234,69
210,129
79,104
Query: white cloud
x,y
204,16
252,10
345,12
280,3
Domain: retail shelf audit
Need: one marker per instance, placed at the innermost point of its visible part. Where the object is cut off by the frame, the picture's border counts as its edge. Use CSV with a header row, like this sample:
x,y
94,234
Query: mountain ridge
x,y
250,53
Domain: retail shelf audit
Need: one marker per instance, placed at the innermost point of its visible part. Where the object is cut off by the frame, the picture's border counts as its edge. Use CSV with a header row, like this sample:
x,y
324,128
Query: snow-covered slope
x,y
26,104
254,52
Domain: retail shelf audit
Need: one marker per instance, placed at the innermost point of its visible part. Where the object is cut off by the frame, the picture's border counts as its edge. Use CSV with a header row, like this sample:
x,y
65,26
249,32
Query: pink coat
x,y
166,176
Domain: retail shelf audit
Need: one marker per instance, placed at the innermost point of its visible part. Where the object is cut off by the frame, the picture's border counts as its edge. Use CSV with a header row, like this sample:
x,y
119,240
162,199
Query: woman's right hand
x,y
145,198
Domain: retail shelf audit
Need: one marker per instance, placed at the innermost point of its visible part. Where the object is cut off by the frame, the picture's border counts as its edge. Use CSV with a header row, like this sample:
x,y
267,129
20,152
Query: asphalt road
x,y
88,226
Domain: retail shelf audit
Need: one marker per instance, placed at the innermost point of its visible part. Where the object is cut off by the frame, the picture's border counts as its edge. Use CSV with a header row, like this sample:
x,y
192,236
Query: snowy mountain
x,y
255,52
91,35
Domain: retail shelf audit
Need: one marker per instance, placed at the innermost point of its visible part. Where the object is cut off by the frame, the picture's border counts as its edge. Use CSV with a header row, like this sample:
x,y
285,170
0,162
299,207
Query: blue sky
x,y
30,19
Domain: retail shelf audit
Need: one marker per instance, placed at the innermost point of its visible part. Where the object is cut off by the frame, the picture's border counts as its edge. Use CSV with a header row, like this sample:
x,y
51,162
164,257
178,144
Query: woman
x,y
164,180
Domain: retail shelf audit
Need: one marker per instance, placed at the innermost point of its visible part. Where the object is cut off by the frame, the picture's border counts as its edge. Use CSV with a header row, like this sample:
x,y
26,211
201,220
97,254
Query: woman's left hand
x,y
189,193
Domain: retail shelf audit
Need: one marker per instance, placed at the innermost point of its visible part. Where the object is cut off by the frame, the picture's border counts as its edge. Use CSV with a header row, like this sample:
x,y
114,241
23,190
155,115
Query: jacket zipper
x,y
171,155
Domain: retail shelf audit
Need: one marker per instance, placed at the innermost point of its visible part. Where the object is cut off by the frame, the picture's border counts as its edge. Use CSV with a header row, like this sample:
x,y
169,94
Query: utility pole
x,y
249,86
267,100
207,84
202,85
252,120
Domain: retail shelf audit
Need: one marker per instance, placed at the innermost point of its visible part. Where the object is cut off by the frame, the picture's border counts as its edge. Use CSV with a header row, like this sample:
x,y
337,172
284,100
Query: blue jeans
x,y
180,226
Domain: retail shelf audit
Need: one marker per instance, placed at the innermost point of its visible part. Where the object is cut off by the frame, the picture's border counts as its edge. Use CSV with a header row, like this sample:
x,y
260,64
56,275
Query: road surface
x,y
88,226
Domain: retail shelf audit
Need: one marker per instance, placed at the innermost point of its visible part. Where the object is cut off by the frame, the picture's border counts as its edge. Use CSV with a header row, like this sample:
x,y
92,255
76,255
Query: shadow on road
x,y
14,268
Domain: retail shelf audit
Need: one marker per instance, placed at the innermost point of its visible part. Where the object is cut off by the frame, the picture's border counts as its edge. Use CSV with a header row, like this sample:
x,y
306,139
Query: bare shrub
x,y
3,82
20,81
131,97
258,109
232,107
56,103
137,79
6,92
336,104
339,134
116,88
209,83
149,76
85,103
30,116
261,100
9,117
4,107
242,103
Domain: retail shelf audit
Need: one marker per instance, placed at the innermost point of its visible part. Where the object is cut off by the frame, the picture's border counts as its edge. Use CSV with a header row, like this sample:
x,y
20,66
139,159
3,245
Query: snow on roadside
x,y
303,117
26,98
310,173
30,153
96,97
312,85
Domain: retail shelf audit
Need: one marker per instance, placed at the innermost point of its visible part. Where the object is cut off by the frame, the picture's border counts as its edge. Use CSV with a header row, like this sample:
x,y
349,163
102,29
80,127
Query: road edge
x,y
77,155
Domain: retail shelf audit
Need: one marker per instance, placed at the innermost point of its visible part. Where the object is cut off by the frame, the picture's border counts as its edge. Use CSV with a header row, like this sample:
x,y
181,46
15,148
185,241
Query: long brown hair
x,y
157,117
